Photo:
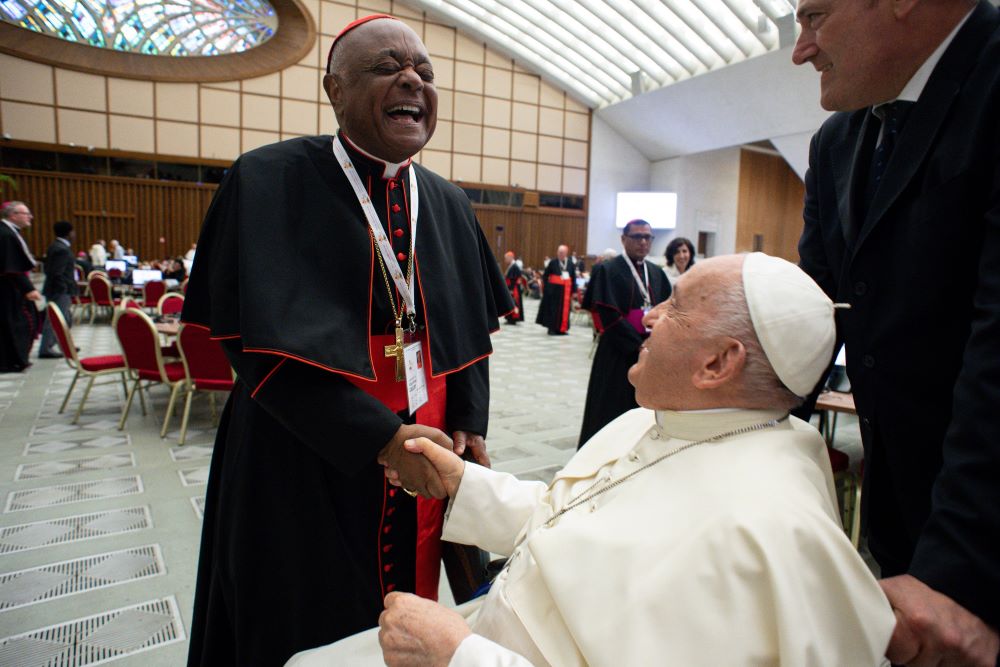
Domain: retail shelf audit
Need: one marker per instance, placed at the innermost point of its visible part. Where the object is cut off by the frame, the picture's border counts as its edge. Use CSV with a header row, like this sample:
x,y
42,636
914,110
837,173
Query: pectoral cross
x,y
397,351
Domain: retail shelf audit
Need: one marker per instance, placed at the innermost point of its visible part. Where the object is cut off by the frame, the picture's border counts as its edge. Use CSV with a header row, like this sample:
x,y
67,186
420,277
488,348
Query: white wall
x,y
707,187
615,166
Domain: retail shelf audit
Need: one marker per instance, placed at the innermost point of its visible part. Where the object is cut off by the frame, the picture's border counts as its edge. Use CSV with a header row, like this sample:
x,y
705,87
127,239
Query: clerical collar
x,y
389,169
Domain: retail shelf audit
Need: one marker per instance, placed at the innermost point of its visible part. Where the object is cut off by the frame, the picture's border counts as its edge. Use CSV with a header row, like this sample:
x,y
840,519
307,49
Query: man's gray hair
x,y
8,207
732,319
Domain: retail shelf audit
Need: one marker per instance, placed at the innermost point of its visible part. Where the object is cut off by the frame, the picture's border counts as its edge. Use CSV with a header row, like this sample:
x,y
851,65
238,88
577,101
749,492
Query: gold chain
x,y
397,314
580,499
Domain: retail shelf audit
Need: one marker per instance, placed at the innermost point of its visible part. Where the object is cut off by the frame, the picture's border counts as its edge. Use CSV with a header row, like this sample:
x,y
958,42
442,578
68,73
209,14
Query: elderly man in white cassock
x,y
699,529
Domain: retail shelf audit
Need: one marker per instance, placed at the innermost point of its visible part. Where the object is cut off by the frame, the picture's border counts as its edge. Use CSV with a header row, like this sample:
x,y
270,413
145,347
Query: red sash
x,y
430,512
567,294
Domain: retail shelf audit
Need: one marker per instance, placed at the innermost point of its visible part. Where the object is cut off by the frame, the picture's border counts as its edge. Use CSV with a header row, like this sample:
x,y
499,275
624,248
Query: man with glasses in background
x,y
620,292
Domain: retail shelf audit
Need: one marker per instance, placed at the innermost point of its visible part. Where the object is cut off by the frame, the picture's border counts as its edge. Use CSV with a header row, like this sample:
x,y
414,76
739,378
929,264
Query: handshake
x,y
424,461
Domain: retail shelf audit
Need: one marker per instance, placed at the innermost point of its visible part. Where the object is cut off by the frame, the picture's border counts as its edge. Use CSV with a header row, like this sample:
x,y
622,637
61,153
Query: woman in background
x,y
680,258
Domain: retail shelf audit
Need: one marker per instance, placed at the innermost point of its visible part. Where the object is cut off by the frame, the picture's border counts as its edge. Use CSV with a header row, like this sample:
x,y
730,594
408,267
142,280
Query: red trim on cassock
x,y
567,297
347,374
430,512
267,377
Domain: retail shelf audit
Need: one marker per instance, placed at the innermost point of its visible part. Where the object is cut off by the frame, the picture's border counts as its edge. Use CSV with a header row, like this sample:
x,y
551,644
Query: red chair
x,y
206,366
151,293
140,344
91,367
171,303
101,294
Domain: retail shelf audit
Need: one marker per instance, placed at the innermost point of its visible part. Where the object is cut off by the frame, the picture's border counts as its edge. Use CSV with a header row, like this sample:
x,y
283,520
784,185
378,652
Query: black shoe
x,y
49,355
558,333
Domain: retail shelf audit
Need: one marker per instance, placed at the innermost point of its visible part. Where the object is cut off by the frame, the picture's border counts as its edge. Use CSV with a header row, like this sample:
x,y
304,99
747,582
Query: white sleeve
x,y
490,509
477,651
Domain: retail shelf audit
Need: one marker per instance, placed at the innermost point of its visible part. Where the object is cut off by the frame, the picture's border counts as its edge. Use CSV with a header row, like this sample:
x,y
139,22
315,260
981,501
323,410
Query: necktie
x,y
893,116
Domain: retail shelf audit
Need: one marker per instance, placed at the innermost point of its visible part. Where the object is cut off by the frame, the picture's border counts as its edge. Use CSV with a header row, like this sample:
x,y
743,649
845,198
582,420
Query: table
x,y
169,328
830,404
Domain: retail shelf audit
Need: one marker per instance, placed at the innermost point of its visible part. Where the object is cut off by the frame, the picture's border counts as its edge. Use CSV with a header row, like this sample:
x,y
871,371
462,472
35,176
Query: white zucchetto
x,y
793,319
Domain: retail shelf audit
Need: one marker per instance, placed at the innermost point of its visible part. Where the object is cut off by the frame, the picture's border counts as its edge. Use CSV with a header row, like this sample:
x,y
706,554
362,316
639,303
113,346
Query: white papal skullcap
x,y
793,319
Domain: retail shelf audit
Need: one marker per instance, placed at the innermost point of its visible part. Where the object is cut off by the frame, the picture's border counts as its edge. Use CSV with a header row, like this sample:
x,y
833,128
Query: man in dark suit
x,y
60,284
902,220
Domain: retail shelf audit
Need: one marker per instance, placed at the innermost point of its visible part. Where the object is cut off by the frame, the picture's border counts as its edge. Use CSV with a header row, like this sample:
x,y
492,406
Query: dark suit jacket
x,y
59,266
923,331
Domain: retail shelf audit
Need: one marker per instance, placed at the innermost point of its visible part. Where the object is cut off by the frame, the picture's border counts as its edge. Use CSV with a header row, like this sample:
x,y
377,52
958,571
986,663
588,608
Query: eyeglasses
x,y
640,237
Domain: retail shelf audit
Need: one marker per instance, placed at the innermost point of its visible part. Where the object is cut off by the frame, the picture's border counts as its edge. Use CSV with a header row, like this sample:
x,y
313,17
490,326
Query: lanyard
x,y
646,303
381,240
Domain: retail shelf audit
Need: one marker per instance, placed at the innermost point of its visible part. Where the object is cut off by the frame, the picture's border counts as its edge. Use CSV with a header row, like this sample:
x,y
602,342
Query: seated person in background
x,y
699,529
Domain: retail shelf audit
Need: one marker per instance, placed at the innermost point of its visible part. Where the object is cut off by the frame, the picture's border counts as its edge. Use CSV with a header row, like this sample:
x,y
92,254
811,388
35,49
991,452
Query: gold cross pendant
x,y
397,351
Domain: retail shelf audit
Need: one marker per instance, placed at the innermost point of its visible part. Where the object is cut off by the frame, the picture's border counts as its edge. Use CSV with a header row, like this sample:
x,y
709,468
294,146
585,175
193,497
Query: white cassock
x,y
729,553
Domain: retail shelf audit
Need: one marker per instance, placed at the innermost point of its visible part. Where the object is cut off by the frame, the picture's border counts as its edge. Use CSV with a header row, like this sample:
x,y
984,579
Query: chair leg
x,y
128,404
856,514
83,401
215,412
124,385
170,408
69,391
187,415
142,399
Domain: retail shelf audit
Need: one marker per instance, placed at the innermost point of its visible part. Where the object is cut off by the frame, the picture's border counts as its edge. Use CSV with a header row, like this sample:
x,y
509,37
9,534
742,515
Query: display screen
x,y
659,209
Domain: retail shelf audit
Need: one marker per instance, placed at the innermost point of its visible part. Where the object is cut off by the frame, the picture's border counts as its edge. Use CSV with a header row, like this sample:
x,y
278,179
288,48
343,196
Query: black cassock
x,y
515,283
18,316
557,296
302,536
611,294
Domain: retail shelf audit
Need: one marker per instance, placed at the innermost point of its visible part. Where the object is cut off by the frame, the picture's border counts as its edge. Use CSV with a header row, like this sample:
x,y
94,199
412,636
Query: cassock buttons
x,y
392,184
387,528
654,434
395,208
633,457
397,232
401,256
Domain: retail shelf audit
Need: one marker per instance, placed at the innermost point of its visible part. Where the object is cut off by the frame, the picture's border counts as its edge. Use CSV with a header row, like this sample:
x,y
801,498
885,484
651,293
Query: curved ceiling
x,y
606,51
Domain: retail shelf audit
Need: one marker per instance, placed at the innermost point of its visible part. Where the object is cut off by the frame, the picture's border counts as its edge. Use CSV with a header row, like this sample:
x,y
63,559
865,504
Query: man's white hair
x,y
732,319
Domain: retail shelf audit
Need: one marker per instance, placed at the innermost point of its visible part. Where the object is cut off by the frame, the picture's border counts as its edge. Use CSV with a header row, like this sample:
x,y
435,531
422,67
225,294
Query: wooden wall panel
x,y
770,206
138,213
532,234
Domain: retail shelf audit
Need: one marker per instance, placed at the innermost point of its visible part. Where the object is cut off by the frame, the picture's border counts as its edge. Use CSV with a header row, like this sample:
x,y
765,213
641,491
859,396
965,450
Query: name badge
x,y
416,382
565,275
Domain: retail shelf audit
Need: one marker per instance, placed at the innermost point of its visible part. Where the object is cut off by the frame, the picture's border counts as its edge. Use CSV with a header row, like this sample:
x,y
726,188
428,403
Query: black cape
x,y
18,317
302,537
552,312
611,294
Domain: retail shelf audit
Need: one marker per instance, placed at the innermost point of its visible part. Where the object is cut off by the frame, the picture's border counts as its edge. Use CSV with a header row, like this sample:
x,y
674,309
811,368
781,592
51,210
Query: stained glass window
x,y
154,27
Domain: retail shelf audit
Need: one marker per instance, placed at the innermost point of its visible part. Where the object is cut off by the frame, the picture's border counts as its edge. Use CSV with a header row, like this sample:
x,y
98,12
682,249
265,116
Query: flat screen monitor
x,y
659,209
143,276
116,264
131,259
841,357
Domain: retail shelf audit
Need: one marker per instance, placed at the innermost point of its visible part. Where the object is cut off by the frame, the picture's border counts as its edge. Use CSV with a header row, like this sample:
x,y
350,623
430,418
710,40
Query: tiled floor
x,y
100,528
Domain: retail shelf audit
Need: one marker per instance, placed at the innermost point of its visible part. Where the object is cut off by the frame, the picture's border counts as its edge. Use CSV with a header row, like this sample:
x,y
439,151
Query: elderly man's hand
x,y
414,473
932,629
415,632
475,444
33,295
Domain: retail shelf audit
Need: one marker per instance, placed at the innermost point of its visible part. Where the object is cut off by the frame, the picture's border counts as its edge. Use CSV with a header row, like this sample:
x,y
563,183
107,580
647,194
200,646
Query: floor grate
x,y
97,639
57,580
194,476
71,466
198,502
190,452
48,496
81,441
38,534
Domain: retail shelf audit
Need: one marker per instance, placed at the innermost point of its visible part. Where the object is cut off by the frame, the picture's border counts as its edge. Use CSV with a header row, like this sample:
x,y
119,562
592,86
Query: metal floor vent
x,y
190,452
38,534
198,502
97,639
57,580
70,466
48,496
59,429
194,476
81,441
